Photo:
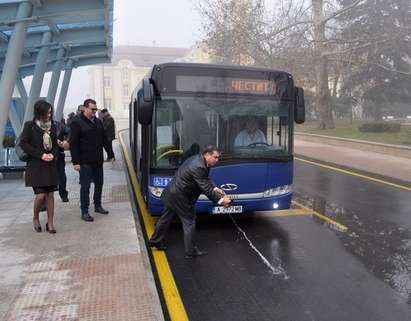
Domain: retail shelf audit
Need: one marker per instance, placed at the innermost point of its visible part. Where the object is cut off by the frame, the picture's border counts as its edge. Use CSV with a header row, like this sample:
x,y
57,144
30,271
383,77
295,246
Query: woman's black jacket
x,y
39,172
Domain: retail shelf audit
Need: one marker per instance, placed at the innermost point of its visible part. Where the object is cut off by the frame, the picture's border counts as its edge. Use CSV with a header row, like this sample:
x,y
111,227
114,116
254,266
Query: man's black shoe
x,y
100,209
87,217
158,246
195,253
64,199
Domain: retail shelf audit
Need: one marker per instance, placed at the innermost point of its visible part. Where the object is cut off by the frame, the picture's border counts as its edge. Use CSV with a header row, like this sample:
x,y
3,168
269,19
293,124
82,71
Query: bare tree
x,y
228,25
300,37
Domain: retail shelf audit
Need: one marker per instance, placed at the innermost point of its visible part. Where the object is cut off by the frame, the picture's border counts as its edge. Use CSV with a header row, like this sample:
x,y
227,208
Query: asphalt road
x,y
312,271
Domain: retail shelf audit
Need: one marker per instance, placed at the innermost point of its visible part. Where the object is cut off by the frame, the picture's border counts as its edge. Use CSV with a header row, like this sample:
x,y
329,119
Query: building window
x,y
124,75
107,103
125,90
107,82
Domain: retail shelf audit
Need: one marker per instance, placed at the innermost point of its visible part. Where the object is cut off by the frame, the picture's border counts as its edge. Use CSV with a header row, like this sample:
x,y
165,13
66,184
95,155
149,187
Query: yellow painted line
x,y
172,296
283,213
355,174
341,227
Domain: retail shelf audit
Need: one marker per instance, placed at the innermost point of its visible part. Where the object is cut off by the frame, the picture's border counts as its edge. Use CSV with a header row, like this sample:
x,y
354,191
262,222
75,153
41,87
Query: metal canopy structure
x,y
39,36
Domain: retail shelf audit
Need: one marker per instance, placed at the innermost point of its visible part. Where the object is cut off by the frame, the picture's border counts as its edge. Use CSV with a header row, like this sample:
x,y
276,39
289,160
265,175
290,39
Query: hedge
x,y
380,127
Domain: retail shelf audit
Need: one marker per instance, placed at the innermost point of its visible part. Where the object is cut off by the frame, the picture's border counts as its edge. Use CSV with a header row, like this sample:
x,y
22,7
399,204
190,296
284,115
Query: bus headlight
x,y
156,191
280,190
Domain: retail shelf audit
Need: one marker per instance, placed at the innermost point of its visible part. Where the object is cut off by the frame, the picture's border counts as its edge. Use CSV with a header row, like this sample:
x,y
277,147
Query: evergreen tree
x,y
380,53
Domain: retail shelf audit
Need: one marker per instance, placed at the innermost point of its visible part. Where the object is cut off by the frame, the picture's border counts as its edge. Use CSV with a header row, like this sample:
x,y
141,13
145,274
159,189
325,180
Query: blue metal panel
x,y
248,178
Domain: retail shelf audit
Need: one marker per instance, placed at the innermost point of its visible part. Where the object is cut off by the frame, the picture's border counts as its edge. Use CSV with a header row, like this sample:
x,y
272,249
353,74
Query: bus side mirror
x,y
299,106
145,101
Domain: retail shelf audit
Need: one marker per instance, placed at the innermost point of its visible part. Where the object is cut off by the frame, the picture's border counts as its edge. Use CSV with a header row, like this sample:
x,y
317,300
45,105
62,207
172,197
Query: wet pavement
x,y
378,218
316,277
377,164
304,269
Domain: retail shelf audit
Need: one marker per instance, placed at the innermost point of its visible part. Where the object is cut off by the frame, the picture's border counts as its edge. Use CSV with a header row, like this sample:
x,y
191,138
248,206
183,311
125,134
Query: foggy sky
x,y
163,23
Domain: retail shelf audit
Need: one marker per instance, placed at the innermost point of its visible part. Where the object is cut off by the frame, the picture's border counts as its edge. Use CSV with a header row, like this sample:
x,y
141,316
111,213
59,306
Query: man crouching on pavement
x,y
180,196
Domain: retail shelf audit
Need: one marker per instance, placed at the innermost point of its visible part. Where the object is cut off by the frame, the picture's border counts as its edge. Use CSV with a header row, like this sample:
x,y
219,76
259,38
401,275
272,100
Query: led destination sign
x,y
207,84
253,86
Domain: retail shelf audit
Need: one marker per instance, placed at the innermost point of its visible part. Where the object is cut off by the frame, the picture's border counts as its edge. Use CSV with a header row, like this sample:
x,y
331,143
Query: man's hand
x,y
47,157
226,201
63,144
219,192
77,167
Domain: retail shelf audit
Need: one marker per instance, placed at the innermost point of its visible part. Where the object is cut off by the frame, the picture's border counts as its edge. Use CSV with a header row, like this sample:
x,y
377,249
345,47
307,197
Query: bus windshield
x,y
242,127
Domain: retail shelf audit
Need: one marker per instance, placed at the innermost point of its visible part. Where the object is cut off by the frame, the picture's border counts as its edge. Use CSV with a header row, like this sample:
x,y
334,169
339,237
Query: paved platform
x,y
87,271
395,167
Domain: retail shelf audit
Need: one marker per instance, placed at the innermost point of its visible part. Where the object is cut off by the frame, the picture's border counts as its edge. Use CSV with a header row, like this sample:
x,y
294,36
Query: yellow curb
x,y
172,296
283,213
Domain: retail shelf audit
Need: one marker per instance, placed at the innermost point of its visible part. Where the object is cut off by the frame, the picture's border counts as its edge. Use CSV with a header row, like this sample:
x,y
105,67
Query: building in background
x,y
112,84
198,53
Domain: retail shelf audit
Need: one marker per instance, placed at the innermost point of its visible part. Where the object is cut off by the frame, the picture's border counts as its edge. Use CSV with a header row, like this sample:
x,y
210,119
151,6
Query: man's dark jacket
x,y
189,182
109,126
87,140
63,133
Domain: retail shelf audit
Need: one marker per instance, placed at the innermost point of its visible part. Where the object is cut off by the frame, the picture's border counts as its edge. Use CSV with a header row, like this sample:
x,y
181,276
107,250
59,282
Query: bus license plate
x,y
228,210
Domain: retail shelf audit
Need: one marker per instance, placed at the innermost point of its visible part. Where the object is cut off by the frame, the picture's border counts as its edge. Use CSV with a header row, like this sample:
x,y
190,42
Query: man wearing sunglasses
x,y
86,146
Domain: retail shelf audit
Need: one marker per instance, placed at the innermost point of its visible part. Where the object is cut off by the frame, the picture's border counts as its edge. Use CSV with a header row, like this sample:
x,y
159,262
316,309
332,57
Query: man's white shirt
x,y
245,138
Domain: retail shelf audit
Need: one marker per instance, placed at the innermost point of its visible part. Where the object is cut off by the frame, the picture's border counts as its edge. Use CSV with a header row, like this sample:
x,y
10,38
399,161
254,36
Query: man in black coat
x,y
110,131
180,196
87,139
63,132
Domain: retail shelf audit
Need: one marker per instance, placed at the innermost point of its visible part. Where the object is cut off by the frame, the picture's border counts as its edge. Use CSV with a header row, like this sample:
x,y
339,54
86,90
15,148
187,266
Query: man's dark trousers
x,y
90,173
109,149
61,164
188,219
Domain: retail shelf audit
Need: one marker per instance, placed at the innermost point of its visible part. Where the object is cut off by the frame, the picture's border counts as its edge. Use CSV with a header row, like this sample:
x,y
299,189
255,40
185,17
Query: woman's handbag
x,y
21,154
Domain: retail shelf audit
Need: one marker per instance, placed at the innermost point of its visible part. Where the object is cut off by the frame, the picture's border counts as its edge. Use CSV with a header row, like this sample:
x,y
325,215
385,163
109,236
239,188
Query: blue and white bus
x,y
179,108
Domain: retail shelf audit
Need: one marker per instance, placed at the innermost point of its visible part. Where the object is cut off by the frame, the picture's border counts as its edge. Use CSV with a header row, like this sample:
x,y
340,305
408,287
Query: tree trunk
x,y
322,99
377,114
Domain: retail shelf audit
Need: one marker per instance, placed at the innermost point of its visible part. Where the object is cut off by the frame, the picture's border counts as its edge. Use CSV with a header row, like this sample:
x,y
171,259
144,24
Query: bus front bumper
x,y
238,206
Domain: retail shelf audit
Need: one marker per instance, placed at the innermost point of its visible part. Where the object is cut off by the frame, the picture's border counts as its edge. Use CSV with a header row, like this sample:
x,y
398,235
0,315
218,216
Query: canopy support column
x,y
39,71
64,89
12,63
55,77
